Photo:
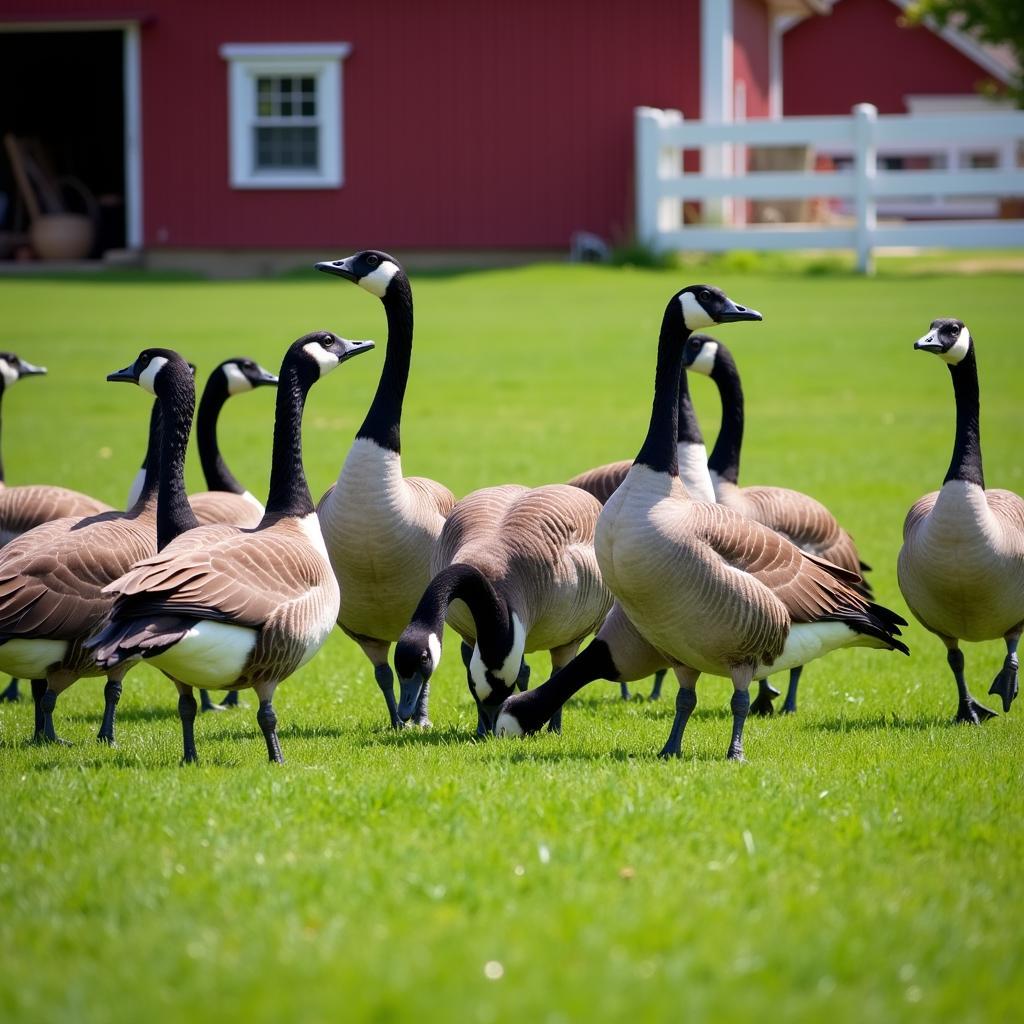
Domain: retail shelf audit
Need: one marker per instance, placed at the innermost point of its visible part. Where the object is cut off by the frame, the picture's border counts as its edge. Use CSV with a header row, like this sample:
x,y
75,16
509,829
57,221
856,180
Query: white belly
x,y
29,659
810,640
210,655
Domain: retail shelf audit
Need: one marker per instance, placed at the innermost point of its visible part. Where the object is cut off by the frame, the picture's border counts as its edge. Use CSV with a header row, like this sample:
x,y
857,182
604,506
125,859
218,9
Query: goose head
x,y
154,369
13,368
370,269
493,674
948,339
417,655
702,305
241,374
316,354
700,354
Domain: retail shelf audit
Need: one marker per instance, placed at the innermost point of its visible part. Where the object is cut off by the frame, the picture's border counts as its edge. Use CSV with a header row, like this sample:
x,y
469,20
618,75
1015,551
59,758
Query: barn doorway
x,y
63,123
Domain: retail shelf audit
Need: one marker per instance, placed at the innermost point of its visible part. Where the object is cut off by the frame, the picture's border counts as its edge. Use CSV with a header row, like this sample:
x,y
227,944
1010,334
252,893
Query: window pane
x,y
282,148
307,85
308,108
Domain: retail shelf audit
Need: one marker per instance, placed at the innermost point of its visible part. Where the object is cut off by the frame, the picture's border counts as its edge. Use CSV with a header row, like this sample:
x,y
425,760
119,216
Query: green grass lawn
x,y
865,863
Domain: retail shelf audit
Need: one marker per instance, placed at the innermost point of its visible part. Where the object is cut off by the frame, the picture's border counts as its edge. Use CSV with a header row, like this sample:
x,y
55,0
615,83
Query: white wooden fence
x,y
662,185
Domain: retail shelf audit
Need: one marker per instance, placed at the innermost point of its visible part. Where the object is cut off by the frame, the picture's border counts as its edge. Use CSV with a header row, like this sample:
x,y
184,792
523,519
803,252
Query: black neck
x,y
659,447
384,419
725,456
177,398
687,427
2,390
966,461
289,493
490,611
535,707
218,476
151,462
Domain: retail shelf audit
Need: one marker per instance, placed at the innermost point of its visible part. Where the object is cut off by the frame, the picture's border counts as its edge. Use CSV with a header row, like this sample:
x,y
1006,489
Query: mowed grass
x,y
864,865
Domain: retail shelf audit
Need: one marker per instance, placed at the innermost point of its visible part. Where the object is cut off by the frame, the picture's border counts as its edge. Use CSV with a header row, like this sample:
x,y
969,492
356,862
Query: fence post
x,y
866,170
646,157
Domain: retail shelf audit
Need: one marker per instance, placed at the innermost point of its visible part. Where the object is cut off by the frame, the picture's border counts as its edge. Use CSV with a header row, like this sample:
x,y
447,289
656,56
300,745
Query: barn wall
x,y
466,124
751,41
860,54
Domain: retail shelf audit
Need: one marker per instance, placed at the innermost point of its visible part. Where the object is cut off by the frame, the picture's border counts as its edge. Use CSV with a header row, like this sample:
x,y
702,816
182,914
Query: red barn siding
x,y
465,125
751,40
860,54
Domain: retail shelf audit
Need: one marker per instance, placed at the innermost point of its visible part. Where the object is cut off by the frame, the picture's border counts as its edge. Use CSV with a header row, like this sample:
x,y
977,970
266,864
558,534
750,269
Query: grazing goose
x,y
515,571
227,608
380,526
710,590
603,481
961,567
226,501
22,508
805,521
52,578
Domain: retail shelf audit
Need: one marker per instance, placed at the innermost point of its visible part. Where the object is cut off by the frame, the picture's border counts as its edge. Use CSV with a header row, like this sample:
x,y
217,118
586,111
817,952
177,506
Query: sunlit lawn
x,y
864,865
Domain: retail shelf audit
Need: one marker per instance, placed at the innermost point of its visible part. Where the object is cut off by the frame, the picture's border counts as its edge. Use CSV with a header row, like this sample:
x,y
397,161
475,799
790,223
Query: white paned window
x,y
285,114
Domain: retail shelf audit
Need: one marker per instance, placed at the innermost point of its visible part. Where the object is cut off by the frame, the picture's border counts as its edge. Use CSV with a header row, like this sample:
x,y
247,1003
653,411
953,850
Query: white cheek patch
x,y
434,646
147,379
694,314
8,372
327,361
705,361
508,725
478,673
959,348
377,282
237,380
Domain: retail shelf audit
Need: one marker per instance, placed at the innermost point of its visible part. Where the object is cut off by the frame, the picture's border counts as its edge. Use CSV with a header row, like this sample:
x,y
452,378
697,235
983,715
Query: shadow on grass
x,y
883,721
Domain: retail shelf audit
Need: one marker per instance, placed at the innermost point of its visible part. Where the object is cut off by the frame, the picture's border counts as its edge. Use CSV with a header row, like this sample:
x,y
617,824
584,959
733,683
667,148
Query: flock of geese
x,y
666,558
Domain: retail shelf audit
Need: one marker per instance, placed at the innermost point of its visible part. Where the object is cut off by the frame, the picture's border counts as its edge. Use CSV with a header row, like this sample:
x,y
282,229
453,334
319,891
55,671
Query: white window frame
x,y
321,61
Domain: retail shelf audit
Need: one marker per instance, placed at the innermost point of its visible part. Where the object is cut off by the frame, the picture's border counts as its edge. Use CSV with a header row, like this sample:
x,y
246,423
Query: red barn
x,y
443,125
828,67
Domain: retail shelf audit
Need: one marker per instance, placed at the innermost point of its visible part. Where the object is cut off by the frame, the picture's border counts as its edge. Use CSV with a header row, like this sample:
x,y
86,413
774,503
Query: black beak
x,y
929,343
489,713
127,375
30,369
353,348
263,378
341,268
409,695
732,313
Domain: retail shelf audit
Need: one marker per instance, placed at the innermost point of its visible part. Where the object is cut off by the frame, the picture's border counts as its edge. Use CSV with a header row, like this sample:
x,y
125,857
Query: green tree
x,y
1000,22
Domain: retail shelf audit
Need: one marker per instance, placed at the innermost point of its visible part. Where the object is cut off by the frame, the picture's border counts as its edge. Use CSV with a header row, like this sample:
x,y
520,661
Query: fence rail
x,y
662,136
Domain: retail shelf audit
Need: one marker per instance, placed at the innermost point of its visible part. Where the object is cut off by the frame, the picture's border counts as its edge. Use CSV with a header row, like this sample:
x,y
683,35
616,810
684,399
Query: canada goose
x,y
798,516
380,526
52,577
961,567
712,591
603,481
226,501
515,571
224,607
24,507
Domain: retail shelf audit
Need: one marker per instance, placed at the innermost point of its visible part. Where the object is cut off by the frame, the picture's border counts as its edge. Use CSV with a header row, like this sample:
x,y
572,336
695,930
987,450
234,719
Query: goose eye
x,y
954,330
704,295
326,341
372,260
144,358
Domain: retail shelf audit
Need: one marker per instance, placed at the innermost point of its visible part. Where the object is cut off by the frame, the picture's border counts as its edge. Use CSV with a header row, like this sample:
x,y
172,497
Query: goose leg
x,y
762,703
206,702
560,657
38,689
187,711
740,705
523,679
789,705
377,651
624,691
56,683
1005,684
111,696
968,711
11,692
267,720
686,701
231,700
422,716
659,679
